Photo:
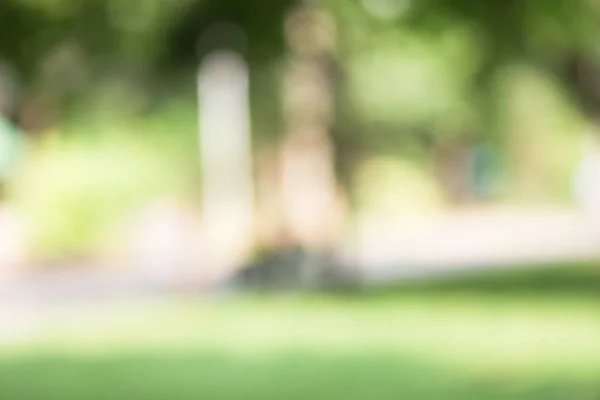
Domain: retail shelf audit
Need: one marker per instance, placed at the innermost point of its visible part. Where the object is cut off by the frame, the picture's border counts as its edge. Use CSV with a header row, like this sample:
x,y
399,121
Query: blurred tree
x,y
149,41
262,21
547,35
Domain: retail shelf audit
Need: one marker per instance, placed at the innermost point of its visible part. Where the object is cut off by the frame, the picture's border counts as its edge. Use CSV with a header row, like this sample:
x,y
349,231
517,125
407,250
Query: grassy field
x,y
514,335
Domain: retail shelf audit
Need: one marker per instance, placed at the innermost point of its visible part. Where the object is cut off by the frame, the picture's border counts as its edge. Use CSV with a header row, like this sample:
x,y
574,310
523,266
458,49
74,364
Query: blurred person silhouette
x,y
487,171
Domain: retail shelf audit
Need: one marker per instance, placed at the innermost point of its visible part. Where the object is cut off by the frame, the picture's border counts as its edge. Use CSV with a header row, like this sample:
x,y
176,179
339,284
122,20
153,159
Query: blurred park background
x,y
354,199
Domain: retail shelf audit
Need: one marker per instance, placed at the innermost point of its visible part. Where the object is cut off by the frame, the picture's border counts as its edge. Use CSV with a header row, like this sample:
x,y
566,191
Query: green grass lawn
x,y
512,335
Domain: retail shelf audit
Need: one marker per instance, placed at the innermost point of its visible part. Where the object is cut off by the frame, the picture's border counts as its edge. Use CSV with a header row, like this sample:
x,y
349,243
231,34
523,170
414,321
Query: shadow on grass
x,y
289,377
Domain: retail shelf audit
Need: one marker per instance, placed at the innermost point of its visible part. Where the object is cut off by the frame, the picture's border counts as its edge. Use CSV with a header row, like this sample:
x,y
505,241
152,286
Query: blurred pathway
x,y
395,249
380,251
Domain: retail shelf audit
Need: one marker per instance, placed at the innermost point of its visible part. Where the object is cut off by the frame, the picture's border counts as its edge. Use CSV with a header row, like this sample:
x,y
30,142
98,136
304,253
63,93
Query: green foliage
x,y
78,188
428,69
543,134
401,86
74,193
388,186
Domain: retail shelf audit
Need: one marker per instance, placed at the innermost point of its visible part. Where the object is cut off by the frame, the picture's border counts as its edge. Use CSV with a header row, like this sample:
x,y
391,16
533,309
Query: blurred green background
x,y
109,86
438,106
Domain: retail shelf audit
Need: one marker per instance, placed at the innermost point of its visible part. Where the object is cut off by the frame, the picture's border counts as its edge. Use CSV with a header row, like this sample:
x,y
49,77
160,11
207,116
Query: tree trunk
x,y
310,194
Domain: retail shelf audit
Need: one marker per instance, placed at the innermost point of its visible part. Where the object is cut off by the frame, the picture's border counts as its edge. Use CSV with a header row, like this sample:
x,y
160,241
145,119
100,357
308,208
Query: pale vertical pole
x,y
226,158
